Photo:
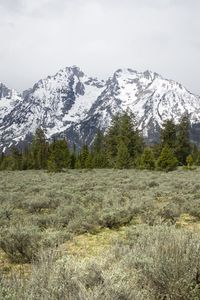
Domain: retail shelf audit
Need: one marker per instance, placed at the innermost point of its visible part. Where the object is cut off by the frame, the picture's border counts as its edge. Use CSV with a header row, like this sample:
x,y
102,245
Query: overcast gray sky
x,y
38,37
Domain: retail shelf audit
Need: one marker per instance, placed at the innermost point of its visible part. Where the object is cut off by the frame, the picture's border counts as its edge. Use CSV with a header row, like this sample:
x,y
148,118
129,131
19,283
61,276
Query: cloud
x,y
40,36
11,5
28,7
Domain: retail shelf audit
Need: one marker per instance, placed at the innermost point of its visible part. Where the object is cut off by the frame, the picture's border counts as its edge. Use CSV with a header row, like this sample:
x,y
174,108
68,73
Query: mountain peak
x,y
73,70
125,71
151,75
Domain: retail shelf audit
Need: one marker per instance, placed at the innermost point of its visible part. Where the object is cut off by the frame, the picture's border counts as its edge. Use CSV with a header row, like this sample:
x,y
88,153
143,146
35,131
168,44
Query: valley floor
x,y
100,234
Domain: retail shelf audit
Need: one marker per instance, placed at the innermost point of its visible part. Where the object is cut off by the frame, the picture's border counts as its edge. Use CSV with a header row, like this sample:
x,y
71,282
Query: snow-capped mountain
x,y
74,105
149,96
54,104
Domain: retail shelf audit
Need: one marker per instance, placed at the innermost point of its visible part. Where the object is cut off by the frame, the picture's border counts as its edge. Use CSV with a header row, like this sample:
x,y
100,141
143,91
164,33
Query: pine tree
x,y
167,160
59,157
7,163
98,143
168,134
16,159
100,160
183,147
123,132
195,152
39,150
147,159
123,160
99,151
1,159
156,148
27,158
78,163
11,161
83,156
129,134
89,164
111,140
73,158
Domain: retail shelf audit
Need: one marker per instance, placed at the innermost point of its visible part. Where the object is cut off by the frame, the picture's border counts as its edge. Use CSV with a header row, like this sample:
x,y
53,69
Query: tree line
x,y
121,146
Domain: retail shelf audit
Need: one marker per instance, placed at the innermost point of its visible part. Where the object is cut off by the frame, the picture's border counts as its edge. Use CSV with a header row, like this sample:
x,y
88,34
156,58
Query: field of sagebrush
x,y
100,234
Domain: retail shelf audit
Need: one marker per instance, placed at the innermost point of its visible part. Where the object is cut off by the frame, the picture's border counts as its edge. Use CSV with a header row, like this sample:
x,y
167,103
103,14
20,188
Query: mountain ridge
x,y
74,105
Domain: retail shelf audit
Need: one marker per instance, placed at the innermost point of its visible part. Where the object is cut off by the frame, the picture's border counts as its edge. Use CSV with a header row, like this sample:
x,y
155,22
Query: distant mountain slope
x,y
75,105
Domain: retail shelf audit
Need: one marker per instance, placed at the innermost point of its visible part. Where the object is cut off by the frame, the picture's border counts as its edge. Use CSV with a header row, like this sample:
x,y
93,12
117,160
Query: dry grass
x,y
92,245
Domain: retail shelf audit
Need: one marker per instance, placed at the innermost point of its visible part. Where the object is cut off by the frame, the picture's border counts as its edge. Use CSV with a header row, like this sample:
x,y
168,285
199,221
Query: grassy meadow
x,y
100,234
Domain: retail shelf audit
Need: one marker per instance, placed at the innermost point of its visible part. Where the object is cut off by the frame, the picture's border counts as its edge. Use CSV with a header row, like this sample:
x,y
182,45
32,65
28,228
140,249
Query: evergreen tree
x,y
13,161
73,158
195,154
83,157
167,160
147,159
78,163
59,157
183,147
27,158
89,161
39,150
7,163
196,158
99,151
2,156
111,140
156,148
168,134
1,159
123,159
100,160
98,143
129,134
16,159
123,133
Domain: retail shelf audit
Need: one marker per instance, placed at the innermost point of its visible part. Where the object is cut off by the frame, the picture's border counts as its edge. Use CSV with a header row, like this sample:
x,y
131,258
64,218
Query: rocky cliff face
x,y
74,105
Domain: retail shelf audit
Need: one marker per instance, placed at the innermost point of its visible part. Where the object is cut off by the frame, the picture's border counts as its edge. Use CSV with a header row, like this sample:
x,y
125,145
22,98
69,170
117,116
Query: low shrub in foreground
x,y
20,243
167,261
152,263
